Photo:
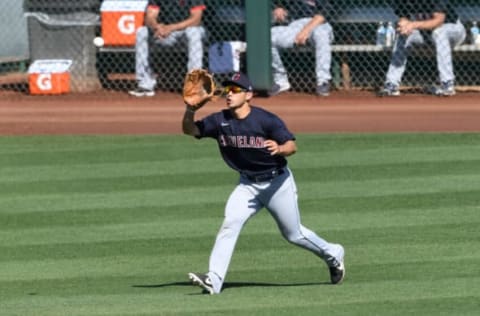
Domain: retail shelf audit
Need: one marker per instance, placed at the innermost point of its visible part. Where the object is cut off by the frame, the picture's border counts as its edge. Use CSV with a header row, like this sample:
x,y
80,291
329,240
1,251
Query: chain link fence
x,y
65,30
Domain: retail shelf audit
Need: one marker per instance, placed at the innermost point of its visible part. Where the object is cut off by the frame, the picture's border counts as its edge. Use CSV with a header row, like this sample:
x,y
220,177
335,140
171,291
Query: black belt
x,y
264,177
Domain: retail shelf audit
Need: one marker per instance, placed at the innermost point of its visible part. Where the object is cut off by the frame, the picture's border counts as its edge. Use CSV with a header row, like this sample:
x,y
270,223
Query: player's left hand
x,y
302,37
405,27
163,30
272,146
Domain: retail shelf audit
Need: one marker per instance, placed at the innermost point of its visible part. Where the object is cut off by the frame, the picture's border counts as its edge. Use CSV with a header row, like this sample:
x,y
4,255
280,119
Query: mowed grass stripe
x,y
108,216
94,244
406,221
104,183
332,210
106,170
93,154
273,267
364,211
121,165
309,273
98,149
159,227
211,194
261,300
177,144
394,243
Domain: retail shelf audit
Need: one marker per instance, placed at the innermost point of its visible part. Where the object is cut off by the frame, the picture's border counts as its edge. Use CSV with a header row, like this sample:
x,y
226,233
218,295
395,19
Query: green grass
x,y
111,225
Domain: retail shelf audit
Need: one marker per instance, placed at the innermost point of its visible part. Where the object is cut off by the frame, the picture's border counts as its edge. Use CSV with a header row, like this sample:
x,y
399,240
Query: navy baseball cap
x,y
239,79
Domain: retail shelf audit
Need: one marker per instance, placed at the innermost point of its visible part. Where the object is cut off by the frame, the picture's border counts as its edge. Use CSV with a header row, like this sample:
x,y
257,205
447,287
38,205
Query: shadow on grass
x,y
228,285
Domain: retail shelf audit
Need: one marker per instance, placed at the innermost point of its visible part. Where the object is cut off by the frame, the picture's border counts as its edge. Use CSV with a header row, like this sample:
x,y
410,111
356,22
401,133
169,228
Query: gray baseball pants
x,y
284,37
279,197
192,35
444,37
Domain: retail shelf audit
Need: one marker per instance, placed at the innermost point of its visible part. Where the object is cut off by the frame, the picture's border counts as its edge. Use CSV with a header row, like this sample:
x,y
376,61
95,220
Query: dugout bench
x,y
355,35
228,21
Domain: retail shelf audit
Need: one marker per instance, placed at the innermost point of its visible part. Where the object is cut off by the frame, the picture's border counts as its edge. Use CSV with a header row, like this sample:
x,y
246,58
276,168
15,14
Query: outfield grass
x,y
111,225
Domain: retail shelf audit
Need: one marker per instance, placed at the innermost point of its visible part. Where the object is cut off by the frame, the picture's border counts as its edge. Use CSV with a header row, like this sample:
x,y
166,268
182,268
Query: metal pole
x,y
259,53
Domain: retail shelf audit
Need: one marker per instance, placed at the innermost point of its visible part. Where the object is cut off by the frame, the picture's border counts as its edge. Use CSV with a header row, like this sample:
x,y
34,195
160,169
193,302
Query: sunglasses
x,y
234,89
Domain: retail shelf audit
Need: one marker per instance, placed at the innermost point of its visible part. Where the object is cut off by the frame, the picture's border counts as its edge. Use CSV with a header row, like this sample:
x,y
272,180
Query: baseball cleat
x,y
323,89
389,90
141,92
278,88
446,89
337,270
202,280
337,273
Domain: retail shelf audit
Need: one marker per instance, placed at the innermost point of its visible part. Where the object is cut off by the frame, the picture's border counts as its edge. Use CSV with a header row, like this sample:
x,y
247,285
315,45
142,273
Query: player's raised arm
x,y
188,122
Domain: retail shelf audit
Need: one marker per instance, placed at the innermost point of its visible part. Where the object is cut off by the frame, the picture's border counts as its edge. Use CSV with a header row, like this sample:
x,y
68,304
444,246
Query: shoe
x,y
279,88
323,89
389,90
337,269
337,273
446,89
141,92
203,281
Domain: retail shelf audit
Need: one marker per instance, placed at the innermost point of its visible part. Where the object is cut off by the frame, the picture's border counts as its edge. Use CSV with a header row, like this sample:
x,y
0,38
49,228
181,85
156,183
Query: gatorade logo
x,y
44,82
126,24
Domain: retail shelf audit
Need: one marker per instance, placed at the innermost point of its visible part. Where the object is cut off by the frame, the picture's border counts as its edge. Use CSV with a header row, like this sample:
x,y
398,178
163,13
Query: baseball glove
x,y
198,88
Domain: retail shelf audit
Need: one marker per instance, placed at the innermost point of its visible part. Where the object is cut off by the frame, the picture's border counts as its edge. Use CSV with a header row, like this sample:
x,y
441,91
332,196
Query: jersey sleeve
x,y
208,126
278,131
153,5
197,5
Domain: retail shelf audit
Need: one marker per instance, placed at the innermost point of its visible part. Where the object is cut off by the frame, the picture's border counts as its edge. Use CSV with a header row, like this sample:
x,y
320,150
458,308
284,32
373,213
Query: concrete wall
x,y
14,37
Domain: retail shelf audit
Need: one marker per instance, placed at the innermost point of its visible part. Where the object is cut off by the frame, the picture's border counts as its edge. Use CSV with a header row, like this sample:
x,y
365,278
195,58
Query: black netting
x,y
63,29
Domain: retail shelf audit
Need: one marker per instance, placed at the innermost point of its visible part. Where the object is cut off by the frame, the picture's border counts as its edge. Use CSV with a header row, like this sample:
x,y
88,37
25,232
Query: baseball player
x,y
168,22
255,142
421,22
303,21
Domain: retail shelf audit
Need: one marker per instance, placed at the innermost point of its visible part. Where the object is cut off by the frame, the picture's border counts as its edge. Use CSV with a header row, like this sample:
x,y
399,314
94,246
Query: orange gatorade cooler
x,y
49,76
120,21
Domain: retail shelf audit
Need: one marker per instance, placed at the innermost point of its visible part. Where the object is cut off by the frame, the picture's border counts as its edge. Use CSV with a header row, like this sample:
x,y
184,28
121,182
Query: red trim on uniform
x,y
198,7
153,7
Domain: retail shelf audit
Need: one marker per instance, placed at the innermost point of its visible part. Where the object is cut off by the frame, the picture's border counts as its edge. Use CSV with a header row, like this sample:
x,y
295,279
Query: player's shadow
x,y
229,285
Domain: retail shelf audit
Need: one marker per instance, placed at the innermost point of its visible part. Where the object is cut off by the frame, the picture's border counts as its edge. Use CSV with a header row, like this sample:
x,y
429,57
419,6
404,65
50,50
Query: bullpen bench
x,y
355,31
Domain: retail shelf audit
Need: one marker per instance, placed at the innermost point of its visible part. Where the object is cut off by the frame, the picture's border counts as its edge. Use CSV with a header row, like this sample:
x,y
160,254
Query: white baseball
x,y
98,41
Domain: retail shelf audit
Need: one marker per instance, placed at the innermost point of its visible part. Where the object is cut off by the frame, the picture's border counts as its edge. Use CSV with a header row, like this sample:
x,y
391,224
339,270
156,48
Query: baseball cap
x,y
239,79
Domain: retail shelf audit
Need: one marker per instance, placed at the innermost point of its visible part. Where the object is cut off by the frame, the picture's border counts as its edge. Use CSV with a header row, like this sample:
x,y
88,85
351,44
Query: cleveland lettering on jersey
x,y
241,141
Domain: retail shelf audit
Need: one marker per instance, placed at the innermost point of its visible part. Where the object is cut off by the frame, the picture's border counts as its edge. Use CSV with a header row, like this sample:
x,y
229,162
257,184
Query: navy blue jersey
x,y
298,9
173,11
424,9
241,141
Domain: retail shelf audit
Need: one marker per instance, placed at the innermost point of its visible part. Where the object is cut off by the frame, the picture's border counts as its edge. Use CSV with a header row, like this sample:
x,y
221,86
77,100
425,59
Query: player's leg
x,y
195,36
281,201
240,206
322,37
398,63
144,74
283,37
446,38
279,72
